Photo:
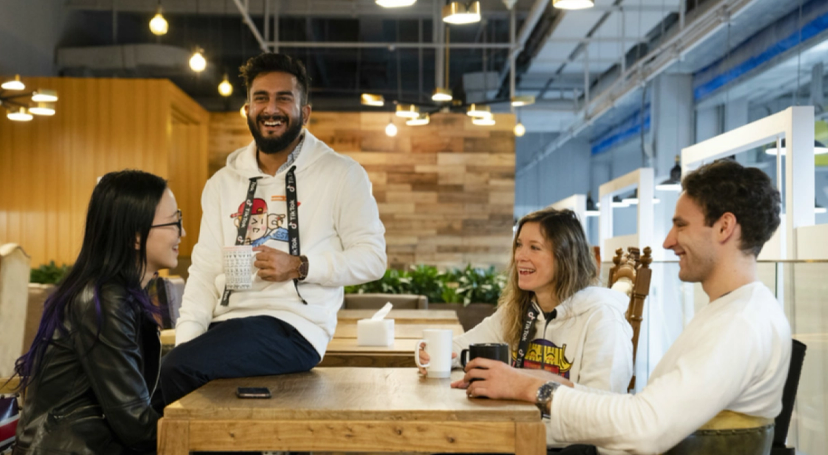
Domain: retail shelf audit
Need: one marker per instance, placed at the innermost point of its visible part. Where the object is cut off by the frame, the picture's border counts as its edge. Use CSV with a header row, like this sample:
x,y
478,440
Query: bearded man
x,y
334,238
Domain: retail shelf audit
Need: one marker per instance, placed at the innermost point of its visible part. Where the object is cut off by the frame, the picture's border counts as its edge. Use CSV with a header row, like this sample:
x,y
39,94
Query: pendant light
x,y
519,130
591,208
241,111
522,100
395,3
390,129
441,94
44,96
819,148
478,111
483,121
225,88
197,61
419,121
20,115
408,111
461,13
45,109
369,99
674,182
14,84
573,4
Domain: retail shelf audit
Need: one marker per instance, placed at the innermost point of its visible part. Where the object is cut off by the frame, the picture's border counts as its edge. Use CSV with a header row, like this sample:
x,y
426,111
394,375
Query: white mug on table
x,y
438,346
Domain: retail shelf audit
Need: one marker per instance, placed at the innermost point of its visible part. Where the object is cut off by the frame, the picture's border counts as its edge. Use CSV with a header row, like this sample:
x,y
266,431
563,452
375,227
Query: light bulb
x,y
197,62
43,109
20,115
13,84
520,130
390,130
225,88
241,111
158,25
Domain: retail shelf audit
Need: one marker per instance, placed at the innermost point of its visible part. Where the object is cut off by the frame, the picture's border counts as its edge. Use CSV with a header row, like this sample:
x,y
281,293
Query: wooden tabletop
x,y
403,316
349,410
411,331
344,352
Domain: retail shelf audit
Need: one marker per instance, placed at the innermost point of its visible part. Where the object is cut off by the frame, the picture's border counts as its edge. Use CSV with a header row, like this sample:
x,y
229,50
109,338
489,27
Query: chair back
x,y
728,433
783,420
377,301
15,269
631,274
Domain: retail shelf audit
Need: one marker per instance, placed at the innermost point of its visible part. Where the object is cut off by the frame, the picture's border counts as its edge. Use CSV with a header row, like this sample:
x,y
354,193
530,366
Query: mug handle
x,y
463,357
417,355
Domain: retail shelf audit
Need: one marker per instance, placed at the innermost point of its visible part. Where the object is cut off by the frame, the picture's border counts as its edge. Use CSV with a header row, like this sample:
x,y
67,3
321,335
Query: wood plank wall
x,y
445,191
49,166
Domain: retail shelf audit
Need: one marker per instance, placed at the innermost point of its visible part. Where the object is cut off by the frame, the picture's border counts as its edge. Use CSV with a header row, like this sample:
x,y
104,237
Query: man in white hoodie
x,y
310,216
734,355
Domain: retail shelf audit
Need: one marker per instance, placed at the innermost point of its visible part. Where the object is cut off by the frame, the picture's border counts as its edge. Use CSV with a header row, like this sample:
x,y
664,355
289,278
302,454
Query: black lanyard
x,y
293,220
242,232
528,322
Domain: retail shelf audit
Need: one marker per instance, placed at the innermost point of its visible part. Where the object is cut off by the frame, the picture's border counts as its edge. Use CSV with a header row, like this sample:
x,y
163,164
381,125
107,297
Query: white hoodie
x,y
339,230
589,341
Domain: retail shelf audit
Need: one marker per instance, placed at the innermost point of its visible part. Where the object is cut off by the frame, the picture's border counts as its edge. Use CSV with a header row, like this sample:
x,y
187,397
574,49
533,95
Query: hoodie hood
x,y
589,298
243,161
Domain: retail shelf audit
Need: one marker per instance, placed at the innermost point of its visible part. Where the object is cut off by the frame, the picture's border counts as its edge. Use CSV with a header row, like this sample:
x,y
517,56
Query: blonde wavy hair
x,y
575,267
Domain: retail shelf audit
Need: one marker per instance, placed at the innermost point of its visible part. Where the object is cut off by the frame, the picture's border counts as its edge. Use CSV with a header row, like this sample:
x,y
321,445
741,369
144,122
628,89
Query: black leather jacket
x,y
93,396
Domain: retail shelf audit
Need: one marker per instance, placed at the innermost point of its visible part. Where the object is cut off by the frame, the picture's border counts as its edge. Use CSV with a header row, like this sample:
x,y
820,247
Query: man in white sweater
x,y
734,355
309,214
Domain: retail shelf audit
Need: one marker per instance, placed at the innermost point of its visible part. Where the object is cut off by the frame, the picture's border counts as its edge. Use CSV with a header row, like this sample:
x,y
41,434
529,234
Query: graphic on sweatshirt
x,y
543,354
263,226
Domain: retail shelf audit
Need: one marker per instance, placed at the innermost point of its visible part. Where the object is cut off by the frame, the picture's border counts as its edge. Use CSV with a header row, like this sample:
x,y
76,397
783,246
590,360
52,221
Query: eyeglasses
x,y
174,223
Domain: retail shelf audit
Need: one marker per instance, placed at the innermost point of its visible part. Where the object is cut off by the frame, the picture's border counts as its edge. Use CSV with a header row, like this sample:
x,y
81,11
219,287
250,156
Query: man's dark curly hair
x,y
727,186
268,63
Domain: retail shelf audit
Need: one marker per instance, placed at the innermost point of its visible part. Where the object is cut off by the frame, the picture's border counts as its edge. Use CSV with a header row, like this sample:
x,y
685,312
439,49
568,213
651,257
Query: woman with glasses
x,y
93,366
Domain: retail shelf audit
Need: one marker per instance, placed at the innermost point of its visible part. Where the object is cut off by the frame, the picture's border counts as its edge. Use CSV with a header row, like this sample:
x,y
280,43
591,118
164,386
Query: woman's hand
x,y
497,380
425,358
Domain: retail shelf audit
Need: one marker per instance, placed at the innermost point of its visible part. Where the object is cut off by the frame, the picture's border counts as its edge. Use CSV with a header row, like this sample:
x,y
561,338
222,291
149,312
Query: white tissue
x,y
376,331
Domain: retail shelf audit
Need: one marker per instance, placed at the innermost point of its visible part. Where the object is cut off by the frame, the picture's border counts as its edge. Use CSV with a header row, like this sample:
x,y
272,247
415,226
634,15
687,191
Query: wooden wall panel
x,y
49,166
445,191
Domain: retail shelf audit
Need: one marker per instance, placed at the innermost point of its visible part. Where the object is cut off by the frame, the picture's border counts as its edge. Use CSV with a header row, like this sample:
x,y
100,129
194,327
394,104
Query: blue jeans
x,y
236,348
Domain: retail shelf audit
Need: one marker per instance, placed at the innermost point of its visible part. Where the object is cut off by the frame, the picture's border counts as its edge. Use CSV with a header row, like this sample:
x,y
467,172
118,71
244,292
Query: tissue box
x,y
371,332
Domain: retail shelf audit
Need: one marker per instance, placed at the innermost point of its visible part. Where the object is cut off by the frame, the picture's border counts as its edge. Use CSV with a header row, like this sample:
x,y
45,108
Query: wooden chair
x,y
631,272
377,301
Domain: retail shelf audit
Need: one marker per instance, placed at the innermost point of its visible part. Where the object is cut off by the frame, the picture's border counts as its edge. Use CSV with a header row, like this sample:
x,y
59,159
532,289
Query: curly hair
x,y
268,63
726,186
575,267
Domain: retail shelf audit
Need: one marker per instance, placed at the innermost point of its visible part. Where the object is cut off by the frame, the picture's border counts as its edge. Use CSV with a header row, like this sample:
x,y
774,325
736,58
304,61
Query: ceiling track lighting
x,y
369,99
573,4
461,13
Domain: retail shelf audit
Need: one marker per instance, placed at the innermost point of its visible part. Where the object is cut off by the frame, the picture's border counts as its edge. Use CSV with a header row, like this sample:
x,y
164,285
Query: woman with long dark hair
x,y
93,365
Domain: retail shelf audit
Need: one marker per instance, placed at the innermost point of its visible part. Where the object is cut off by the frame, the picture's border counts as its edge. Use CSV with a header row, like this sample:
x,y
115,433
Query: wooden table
x,y
404,331
402,316
344,352
349,410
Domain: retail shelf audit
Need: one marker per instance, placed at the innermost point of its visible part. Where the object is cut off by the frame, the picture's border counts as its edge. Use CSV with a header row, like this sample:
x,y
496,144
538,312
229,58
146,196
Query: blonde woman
x,y
551,314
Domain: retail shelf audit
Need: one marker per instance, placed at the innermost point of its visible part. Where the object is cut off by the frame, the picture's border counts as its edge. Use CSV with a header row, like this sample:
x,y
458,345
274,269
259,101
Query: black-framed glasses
x,y
174,223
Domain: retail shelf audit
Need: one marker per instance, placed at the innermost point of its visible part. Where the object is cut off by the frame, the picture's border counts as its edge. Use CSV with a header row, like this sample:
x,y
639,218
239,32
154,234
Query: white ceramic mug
x,y
438,345
238,267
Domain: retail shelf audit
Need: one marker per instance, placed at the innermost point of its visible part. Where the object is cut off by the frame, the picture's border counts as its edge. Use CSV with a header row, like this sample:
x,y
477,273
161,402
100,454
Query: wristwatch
x,y
303,267
544,396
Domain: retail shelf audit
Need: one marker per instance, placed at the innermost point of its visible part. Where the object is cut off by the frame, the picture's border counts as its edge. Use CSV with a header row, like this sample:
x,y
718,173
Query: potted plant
x,y
42,281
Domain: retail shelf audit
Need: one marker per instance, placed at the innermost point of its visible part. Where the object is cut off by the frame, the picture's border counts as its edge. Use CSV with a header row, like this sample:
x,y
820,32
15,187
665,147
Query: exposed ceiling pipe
x,y
247,20
525,31
645,69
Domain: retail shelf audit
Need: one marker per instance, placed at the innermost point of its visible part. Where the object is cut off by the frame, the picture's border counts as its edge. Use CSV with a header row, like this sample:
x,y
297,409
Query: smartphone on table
x,y
253,392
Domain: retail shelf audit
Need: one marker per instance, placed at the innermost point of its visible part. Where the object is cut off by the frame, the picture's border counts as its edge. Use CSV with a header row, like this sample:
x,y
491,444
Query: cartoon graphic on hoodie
x,y
263,226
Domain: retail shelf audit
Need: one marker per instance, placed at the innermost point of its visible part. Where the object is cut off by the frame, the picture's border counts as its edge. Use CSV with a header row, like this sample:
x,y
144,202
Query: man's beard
x,y
271,145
